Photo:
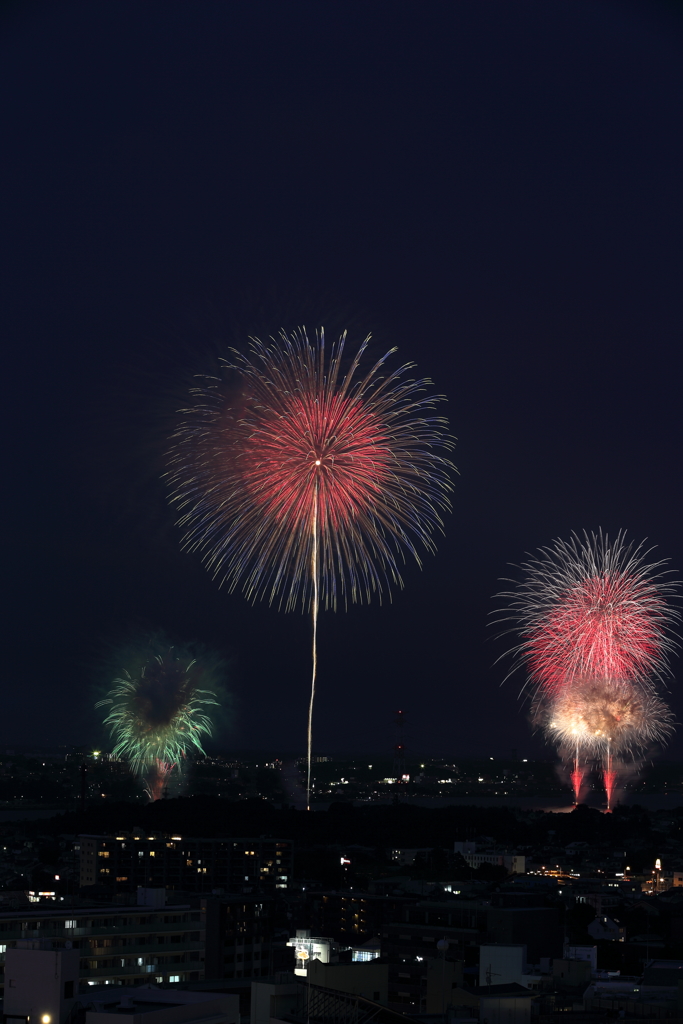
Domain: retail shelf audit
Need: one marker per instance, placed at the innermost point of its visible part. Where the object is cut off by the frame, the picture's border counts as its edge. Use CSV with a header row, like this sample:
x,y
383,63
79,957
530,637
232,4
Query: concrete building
x,y
505,1004
588,953
352,917
239,937
308,948
501,965
422,924
657,994
539,928
129,860
369,980
116,944
301,1002
606,927
470,922
273,1000
41,982
150,1004
514,863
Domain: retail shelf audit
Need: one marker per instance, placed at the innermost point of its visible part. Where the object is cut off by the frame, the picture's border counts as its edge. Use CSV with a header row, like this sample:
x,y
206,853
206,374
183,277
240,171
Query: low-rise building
x,y
152,1005
514,863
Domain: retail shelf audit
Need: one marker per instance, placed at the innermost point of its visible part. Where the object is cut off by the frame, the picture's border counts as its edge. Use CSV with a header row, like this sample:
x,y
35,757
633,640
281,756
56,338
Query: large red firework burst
x,y
305,479
591,609
607,626
290,451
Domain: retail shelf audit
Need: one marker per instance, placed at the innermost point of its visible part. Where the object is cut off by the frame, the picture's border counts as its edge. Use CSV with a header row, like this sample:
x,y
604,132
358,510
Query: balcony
x,y
141,970
59,931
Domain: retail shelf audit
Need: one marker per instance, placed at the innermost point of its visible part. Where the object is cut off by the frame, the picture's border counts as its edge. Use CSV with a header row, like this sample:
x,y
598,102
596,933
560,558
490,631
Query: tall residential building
x,y
116,944
151,941
128,860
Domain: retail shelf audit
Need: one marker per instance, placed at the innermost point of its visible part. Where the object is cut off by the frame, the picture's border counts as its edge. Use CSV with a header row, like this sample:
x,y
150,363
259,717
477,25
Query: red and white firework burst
x,y
595,621
591,609
291,448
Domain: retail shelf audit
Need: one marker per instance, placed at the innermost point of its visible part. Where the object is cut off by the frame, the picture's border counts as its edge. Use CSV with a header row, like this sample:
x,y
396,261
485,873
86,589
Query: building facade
x,y
128,860
117,945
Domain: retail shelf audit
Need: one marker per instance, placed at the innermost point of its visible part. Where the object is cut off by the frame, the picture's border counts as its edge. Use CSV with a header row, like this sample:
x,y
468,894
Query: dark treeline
x,y
397,825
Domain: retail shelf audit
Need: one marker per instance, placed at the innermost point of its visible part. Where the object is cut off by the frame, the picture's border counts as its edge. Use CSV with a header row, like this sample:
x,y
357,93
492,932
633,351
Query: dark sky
x,y
494,187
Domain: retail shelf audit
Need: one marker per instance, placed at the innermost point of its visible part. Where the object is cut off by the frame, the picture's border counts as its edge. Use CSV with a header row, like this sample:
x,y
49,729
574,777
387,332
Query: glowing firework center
x,y
603,715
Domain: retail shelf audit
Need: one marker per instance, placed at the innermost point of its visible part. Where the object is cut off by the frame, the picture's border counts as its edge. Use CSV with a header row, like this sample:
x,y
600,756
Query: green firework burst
x,y
158,714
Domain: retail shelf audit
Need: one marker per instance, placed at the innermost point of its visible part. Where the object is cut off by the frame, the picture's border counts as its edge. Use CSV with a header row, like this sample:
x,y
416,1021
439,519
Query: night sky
x,y
493,186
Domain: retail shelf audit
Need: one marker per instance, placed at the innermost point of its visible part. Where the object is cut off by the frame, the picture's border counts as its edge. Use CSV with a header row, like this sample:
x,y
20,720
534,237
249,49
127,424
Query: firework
x,y
157,715
603,716
606,720
589,609
595,622
305,480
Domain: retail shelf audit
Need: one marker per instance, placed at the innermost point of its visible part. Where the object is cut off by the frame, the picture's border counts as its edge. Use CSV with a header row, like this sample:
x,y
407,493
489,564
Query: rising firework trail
x,y
577,773
595,621
157,714
304,479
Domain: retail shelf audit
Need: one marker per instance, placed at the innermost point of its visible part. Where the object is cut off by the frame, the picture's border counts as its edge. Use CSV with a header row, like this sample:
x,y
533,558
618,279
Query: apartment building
x,y
465,923
129,860
242,938
117,945
201,937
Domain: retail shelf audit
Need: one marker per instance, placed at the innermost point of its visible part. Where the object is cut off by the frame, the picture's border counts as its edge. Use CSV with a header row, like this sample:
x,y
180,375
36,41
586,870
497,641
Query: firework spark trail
x,y
157,715
577,774
159,773
314,611
609,778
287,462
